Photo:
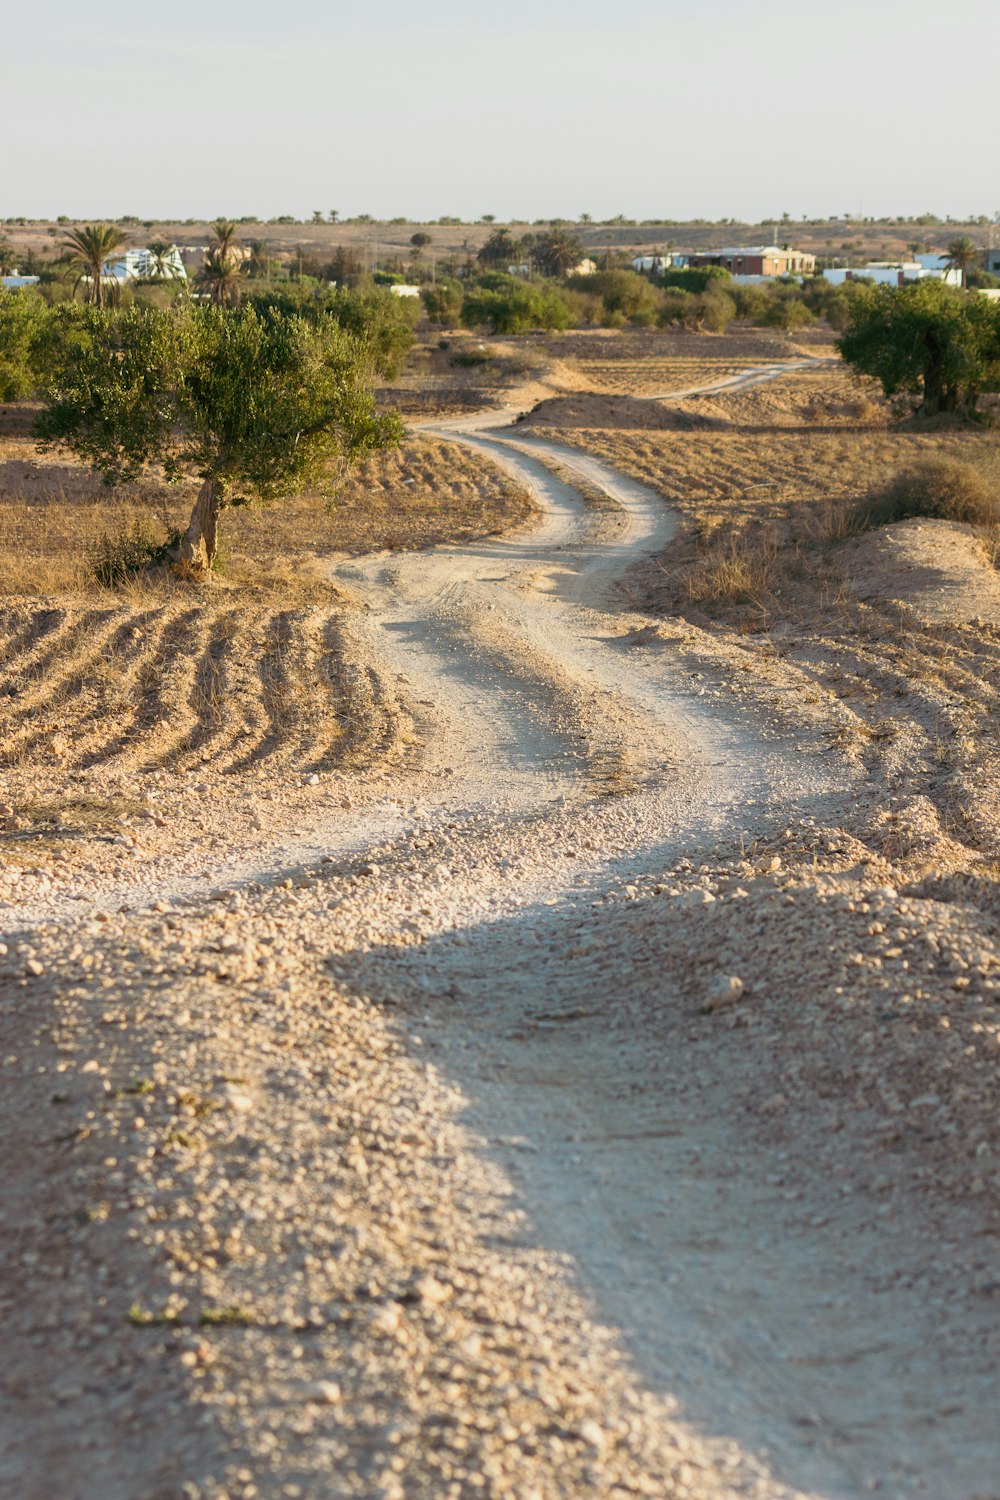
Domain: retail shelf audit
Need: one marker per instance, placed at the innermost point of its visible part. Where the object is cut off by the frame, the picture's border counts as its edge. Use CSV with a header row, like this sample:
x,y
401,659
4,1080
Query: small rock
x,y
724,991
327,1391
593,1433
431,1291
696,897
236,1100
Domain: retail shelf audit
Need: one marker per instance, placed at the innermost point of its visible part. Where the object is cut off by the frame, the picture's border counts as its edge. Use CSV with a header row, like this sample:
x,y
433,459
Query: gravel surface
x,y
578,1104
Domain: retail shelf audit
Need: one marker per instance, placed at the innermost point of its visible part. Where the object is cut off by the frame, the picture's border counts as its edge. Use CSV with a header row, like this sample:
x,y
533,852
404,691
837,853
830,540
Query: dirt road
x,y
530,1145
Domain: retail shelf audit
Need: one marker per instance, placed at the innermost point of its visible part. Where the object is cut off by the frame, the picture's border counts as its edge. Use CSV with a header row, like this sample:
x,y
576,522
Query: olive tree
x,y
24,324
257,405
925,340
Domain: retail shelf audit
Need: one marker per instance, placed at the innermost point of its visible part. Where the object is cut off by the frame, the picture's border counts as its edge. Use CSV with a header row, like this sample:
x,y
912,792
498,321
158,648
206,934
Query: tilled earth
x,y
598,1098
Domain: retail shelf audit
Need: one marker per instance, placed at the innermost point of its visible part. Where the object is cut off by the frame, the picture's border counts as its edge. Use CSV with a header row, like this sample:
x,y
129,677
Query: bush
x,y
752,302
468,359
135,545
694,278
515,308
679,308
944,488
378,320
24,319
787,313
443,301
716,311
626,297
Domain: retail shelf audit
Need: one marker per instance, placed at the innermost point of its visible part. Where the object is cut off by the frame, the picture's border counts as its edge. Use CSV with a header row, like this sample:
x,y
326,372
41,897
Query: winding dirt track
x,y
592,768
561,770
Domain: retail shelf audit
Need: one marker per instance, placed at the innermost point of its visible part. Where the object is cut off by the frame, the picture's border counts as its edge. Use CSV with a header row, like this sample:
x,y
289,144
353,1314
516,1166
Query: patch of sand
x,y
939,568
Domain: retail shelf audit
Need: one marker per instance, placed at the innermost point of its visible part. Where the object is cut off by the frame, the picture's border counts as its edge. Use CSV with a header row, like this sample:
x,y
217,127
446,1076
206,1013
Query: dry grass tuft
x,y
948,489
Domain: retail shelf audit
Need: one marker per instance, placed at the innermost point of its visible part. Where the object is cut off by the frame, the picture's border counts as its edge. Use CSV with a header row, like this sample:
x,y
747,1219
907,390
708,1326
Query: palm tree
x,y
219,278
501,249
161,265
90,248
557,252
259,264
962,256
225,236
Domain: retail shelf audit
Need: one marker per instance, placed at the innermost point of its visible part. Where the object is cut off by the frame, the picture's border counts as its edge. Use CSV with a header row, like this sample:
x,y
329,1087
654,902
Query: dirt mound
x,y
612,413
220,684
819,398
938,568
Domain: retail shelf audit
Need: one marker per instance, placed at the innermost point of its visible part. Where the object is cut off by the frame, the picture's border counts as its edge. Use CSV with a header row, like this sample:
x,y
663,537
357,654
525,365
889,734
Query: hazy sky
x,y
527,108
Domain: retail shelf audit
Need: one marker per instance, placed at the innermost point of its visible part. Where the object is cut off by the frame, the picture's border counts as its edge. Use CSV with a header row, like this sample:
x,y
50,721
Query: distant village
x,y
745,264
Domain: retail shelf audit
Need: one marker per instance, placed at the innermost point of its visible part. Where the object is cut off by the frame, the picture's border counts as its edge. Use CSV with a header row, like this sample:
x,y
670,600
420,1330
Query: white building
x,y
665,260
14,282
897,272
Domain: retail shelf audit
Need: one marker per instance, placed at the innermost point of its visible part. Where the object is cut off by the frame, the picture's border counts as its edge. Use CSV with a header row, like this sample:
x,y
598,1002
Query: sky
x,y
526,109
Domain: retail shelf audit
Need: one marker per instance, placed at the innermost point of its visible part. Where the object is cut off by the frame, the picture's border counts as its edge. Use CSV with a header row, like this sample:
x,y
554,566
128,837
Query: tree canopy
x,y
927,341
257,404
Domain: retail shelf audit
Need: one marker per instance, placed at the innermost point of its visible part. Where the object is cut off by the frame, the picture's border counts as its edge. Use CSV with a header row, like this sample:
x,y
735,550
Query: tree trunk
x,y
199,545
934,393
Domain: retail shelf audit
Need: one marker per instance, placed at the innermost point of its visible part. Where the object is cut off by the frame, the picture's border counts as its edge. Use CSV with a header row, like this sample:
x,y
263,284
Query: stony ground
x,y
598,1097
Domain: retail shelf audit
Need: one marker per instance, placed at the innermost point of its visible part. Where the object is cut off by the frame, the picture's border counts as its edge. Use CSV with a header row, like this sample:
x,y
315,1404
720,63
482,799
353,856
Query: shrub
x,y
515,308
944,488
752,301
468,359
135,545
679,308
23,327
694,278
626,297
787,313
443,301
716,311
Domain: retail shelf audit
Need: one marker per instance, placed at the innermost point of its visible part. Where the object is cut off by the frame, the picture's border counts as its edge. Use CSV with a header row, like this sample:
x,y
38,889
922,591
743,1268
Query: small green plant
x,y
142,1317
232,1316
137,544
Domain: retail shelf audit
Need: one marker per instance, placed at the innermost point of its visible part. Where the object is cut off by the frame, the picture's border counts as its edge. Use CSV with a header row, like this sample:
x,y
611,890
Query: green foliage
x,y
501,249
708,312
752,301
24,320
940,487
557,252
786,311
380,322
443,301
925,341
88,248
693,278
626,296
118,555
717,310
262,403
514,306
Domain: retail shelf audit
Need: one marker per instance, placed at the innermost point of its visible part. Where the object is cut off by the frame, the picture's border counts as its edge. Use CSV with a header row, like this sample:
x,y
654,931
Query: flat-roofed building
x,y
757,260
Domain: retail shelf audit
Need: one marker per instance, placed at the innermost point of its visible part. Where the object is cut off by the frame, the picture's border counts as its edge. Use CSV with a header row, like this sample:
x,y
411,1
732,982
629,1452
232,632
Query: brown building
x,y
757,260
